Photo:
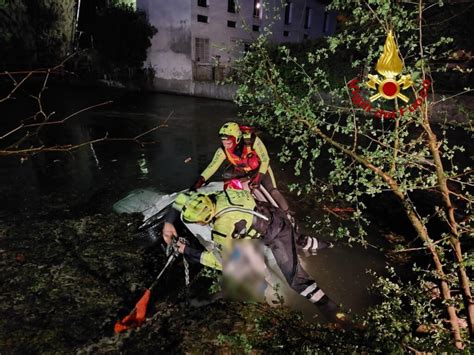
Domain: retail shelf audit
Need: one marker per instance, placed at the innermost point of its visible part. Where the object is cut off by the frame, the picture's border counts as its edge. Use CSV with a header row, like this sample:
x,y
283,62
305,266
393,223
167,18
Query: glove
x,y
255,182
197,184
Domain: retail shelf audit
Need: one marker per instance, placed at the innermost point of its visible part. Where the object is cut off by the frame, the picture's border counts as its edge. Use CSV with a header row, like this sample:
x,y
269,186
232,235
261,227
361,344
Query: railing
x,y
211,72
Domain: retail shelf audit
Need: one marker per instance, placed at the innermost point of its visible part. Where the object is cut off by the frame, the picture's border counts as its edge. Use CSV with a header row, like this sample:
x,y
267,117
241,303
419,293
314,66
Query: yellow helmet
x,y
231,129
199,208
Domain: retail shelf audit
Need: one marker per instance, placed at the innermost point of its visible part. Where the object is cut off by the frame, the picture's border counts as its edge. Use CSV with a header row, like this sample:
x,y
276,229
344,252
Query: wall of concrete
x,y
207,89
296,28
224,41
227,42
170,52
214,91
174,16
173,52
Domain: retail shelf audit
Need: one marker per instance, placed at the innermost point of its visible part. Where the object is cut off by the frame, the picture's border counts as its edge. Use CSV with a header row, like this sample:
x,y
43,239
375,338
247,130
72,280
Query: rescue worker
x,y
249,158
234,214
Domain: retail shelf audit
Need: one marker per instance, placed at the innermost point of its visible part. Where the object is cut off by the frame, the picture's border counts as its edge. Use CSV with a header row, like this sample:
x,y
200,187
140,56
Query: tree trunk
x,y
443,188
416,223
453,225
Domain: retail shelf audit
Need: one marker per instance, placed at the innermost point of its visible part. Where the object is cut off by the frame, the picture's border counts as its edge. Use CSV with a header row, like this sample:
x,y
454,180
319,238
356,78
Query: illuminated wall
x,y
194,34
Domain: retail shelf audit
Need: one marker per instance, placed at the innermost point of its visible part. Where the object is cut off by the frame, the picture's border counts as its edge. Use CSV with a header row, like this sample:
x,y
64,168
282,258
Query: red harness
x,y
247,161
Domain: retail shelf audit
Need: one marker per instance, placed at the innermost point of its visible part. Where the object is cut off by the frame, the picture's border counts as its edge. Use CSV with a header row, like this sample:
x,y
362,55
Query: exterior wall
x,y
170,52
173,54
224,41
296,30
214,91
227,42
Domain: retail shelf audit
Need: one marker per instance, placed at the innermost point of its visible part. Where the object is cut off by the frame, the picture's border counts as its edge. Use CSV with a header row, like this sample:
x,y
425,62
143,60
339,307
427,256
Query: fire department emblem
x,y
389,66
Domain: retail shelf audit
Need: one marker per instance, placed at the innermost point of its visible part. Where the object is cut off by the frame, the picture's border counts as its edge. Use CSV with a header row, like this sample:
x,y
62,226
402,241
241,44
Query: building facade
x,y
198,40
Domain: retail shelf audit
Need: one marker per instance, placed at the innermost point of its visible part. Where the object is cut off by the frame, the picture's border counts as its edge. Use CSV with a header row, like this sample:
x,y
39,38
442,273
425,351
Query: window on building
x,y
286,34
288,12
257,8
202,18
325,22
305,36
201,53
231,6
231,24
202,3
255,28
307,17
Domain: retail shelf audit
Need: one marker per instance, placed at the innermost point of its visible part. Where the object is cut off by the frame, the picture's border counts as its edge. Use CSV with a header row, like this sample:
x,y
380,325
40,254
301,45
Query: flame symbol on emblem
x,y
389,66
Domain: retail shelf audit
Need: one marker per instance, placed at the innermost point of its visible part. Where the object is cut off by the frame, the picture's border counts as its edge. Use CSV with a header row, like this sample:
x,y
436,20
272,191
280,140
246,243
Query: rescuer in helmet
x,y
234,214
249,158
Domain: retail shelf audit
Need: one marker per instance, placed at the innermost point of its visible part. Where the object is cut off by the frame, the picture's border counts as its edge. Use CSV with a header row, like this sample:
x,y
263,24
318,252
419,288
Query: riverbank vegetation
x,y
403,155
35,34
105,39
112,43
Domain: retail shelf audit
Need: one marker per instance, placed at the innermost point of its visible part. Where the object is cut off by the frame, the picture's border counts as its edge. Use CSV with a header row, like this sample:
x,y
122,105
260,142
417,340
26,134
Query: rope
x,y
239,209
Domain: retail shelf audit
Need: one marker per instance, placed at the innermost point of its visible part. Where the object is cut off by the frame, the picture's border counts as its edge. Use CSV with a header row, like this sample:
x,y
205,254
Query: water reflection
x,y
113,168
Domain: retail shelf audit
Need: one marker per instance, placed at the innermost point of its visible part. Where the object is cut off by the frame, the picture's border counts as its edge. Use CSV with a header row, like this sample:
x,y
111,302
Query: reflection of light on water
x,y
95,156
143,165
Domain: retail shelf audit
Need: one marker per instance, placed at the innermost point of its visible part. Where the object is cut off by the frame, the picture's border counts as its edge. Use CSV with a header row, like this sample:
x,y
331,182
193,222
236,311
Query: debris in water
x,y
95,156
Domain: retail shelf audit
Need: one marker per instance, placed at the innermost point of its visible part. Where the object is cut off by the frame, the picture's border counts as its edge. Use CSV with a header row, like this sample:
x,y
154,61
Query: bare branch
x,y
29,73
16,86
12,131
71,147
70,116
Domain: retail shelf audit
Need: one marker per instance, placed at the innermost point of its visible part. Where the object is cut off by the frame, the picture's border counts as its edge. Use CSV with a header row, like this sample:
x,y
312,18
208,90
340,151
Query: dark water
x,y
89,180
114,167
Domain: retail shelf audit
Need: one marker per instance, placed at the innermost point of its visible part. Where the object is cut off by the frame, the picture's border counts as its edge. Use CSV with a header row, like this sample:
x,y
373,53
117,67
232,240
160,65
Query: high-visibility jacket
x,y
249,155
233,220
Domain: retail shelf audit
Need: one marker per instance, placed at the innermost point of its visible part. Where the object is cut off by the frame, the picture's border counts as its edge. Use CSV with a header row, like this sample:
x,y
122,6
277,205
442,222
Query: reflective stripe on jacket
x,y
232,222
